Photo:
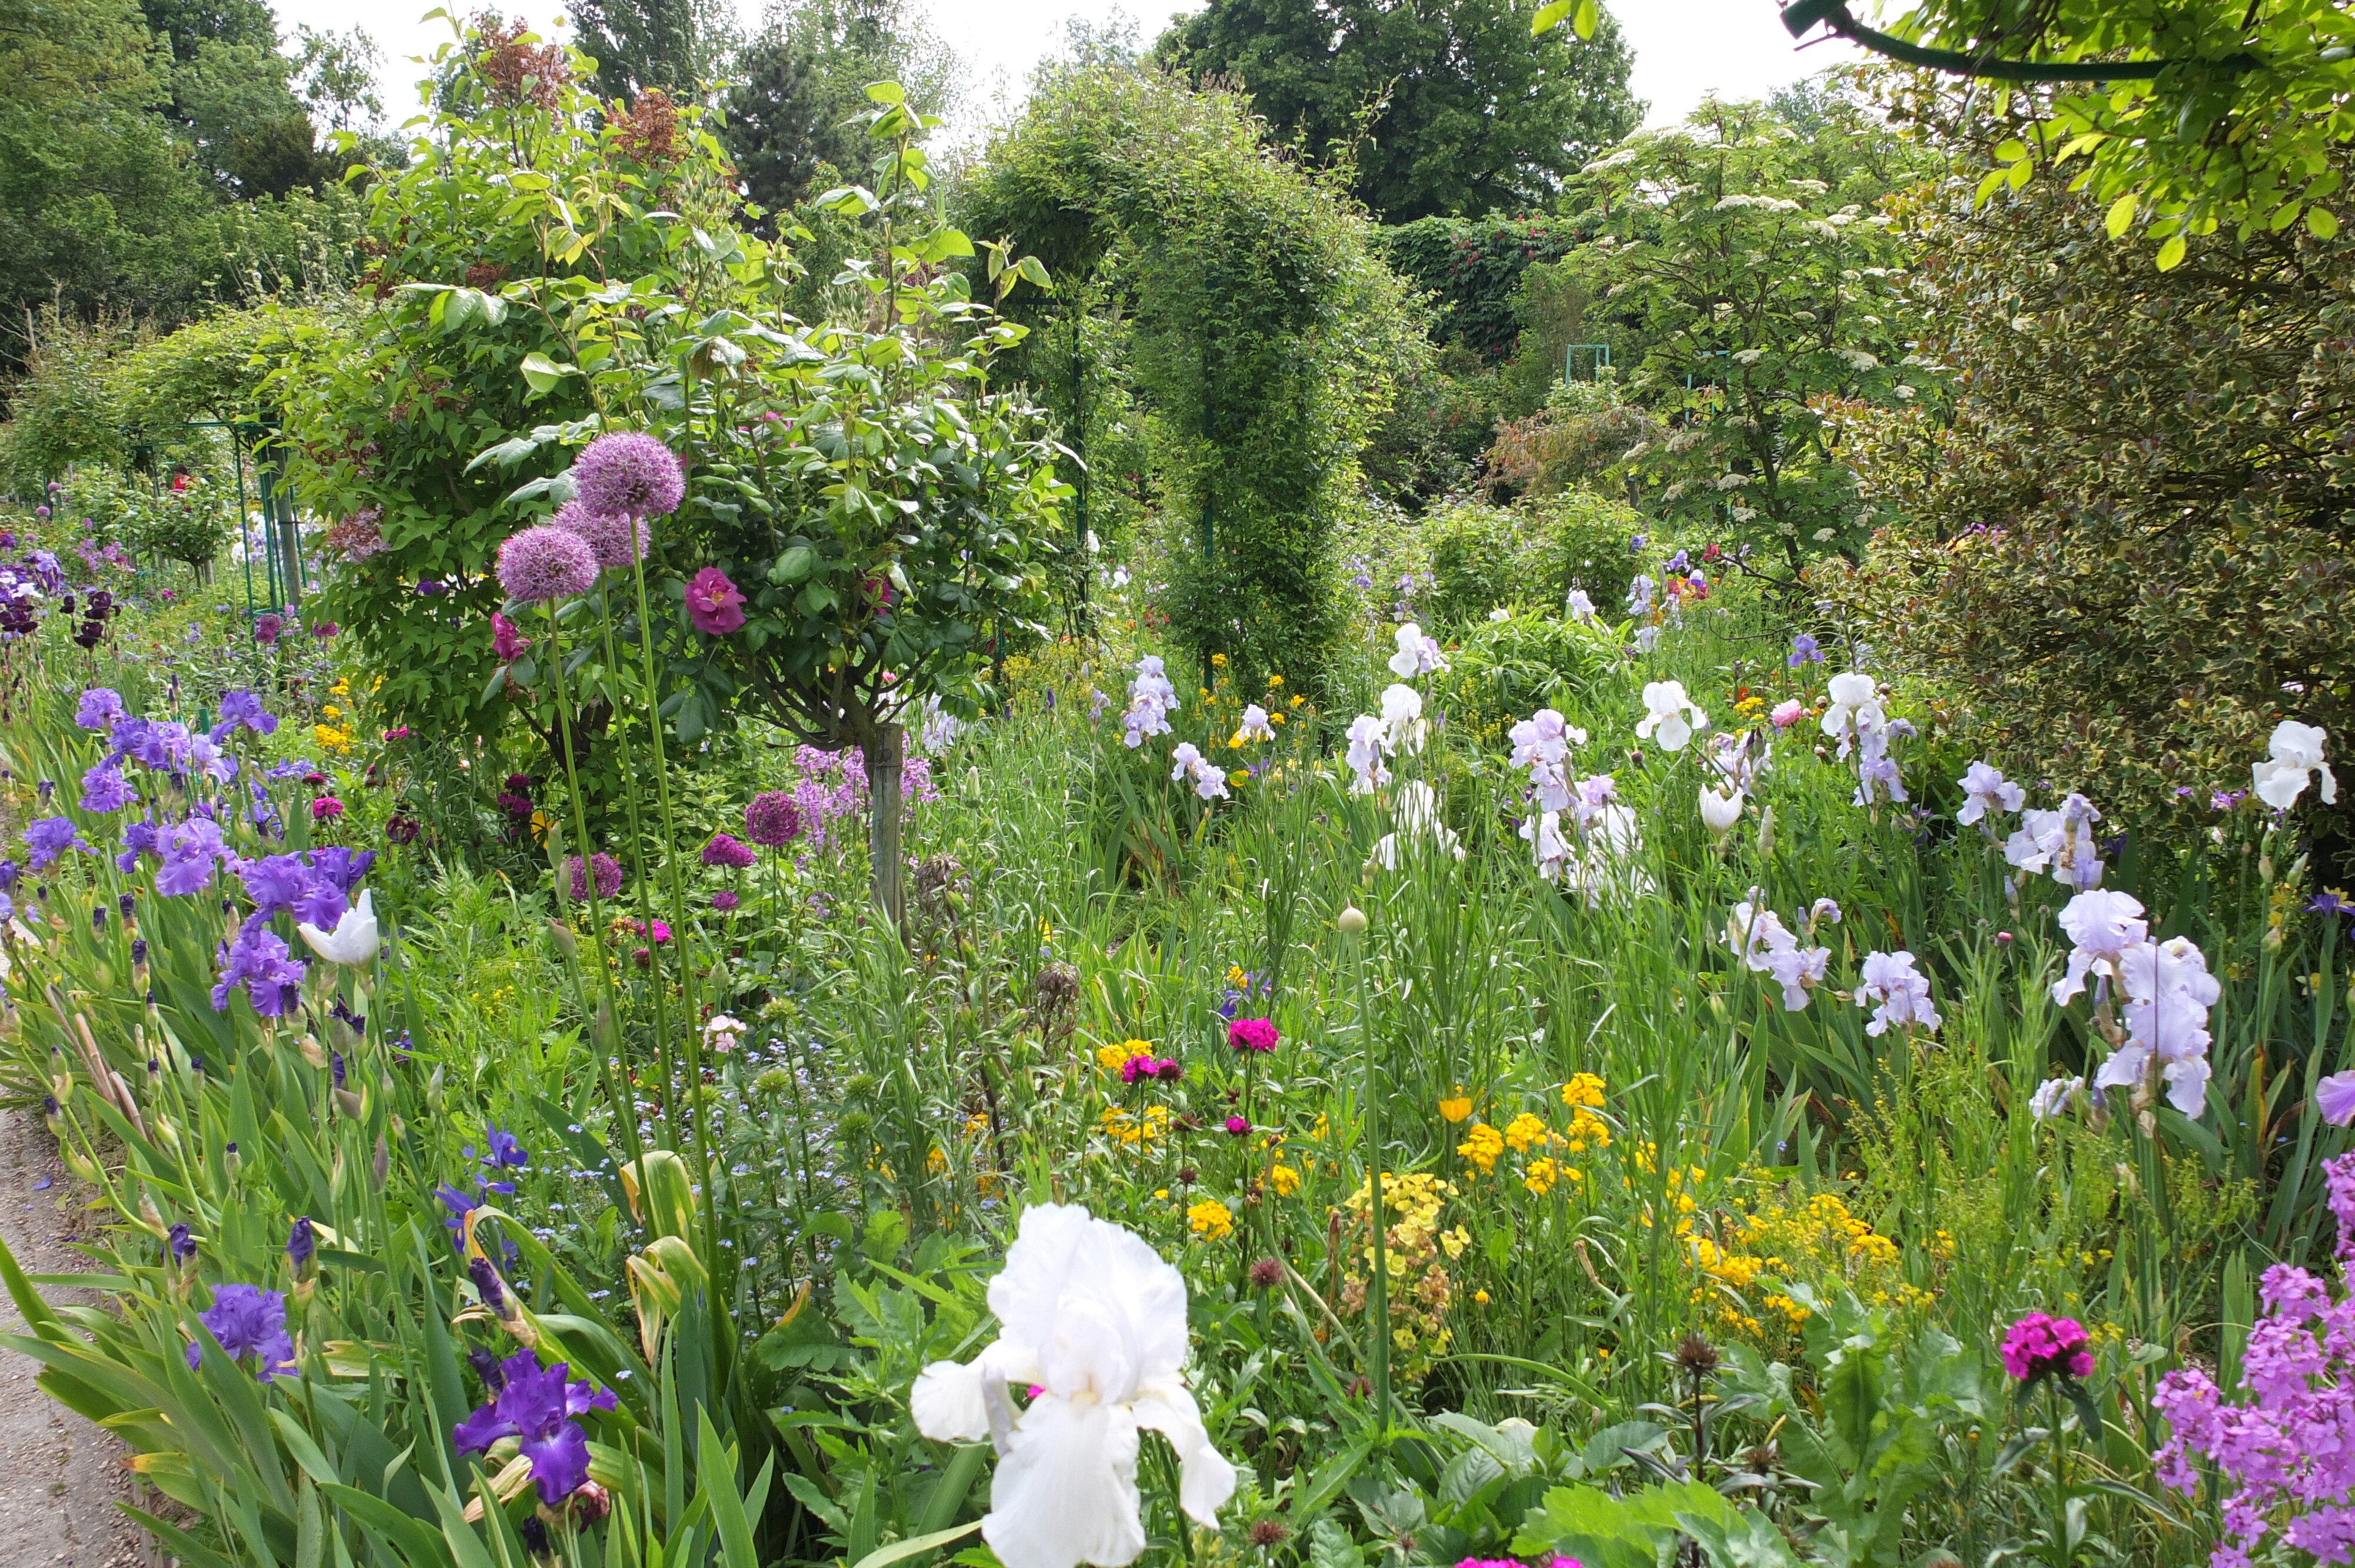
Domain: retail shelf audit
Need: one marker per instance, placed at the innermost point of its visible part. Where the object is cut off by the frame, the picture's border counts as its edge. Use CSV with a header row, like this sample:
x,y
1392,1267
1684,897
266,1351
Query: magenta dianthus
x,y
1253,1034
2041,1346
628,474
544,563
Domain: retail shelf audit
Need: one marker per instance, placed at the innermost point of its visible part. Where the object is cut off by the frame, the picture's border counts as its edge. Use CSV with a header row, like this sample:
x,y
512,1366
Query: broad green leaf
x,y
2321,222
2120,215
544,373
2170,255
900,1550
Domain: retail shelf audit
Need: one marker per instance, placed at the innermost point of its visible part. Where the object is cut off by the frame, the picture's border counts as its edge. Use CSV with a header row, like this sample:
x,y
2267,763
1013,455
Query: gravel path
x,y
59,1476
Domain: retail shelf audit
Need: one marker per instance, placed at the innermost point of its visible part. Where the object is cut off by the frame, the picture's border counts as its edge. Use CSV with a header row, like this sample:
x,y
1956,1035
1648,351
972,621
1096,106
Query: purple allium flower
x,y
608,871
542,563
103,789
325,629
773,820
1253,1034
714,604
247,1322
50,837
725,851
267,628
507,644
537,1405
725,902
616,541
99,708
2040,1345
628,474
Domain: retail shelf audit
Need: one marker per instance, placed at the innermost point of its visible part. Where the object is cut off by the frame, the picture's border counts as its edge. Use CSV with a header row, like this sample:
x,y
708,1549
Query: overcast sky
x,y
1684,48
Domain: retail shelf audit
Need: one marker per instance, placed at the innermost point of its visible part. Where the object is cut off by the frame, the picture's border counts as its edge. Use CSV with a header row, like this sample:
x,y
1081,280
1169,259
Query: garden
x,y
1088,852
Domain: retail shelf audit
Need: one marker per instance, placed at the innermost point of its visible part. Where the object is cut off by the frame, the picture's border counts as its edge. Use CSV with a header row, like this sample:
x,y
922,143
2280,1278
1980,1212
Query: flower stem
x,y
1378,1303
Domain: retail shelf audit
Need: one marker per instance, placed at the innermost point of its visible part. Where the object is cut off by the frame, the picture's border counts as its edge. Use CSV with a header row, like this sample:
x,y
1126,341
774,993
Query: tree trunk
x,y
883,760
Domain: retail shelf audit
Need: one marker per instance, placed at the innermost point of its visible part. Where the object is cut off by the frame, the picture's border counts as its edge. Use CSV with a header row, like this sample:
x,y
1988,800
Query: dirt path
x,y
59,1476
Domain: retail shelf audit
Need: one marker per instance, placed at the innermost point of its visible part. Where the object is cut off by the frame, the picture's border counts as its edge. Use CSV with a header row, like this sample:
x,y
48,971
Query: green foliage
x,y
1472,267
1447,109
2232,123
2128,599
1744,279
1531,555
1267,337
189,523
1580,435
1506,670
674,44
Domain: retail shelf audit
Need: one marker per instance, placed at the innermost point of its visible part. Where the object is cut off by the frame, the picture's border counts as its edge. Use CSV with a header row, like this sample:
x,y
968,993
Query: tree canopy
x,y
1444,108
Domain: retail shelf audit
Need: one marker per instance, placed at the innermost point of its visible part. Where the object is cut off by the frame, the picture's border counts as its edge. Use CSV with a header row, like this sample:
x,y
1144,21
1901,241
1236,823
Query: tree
x,y
2194,116
231,98
795,118
1446,107
1744,274
1265,337
2128,545
674,44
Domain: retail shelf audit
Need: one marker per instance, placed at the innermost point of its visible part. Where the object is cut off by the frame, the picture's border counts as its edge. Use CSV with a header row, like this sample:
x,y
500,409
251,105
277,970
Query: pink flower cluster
x,y
2041,1346
1144,1065
2285,1449
1253,1034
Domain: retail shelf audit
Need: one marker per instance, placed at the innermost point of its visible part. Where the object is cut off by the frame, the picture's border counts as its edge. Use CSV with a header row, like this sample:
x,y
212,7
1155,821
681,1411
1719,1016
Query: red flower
x,y
327,808
714,604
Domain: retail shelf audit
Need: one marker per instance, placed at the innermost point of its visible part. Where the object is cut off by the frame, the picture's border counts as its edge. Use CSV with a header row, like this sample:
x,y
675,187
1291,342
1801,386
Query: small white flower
x,y
1365,755
2296,757
1254,725
1988,791
1671,715
1903,993
1581,607
1418,812
1856,705
354,939
1498,614
1093,1320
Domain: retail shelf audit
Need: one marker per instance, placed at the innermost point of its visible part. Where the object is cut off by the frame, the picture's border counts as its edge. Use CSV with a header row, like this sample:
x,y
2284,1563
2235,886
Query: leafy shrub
x,y
189,523
1485,557
2131,546
1473,266
1508,669
1578,437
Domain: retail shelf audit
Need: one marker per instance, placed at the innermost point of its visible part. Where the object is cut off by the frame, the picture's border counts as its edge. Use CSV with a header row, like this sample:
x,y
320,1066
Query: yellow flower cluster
x,y
1525,1131
1130,1129
1414,1245
1583,1092
1112,1058
1284,1179
1209,1219
1481,1146
330,738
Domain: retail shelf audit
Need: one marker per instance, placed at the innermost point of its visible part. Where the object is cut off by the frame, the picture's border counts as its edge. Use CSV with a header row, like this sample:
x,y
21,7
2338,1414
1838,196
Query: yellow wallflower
x,y
1541,1176
332,738
1218,661
1457,1106
1284,1179
1209,1219
1524,1132
1112,1058
1481,1296
1481,1146
1583,1090
1275,680
1587,1129
1275,718
937,1161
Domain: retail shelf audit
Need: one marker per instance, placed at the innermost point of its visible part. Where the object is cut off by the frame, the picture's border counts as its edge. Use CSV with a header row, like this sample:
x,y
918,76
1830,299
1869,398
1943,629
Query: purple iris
x,y
245,708
103,789
537,1405
2329,902
183,1246
1804,652
283,883
247,1322
164,746
99,709
190,851
261,962
501,1152
50,837
341,868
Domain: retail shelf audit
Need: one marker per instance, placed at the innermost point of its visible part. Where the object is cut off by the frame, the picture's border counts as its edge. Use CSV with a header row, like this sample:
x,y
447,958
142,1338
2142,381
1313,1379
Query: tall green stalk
x,y
623,1094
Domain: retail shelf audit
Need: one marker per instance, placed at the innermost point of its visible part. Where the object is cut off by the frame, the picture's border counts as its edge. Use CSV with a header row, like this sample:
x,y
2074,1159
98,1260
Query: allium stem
x,y
624,1098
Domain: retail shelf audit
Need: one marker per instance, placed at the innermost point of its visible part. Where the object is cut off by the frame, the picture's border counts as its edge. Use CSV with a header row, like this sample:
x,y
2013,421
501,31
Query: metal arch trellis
x,y
283,575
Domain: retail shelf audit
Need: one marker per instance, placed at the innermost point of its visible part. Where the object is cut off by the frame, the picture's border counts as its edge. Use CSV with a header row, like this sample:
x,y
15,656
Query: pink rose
x,y
713,603
1787,714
